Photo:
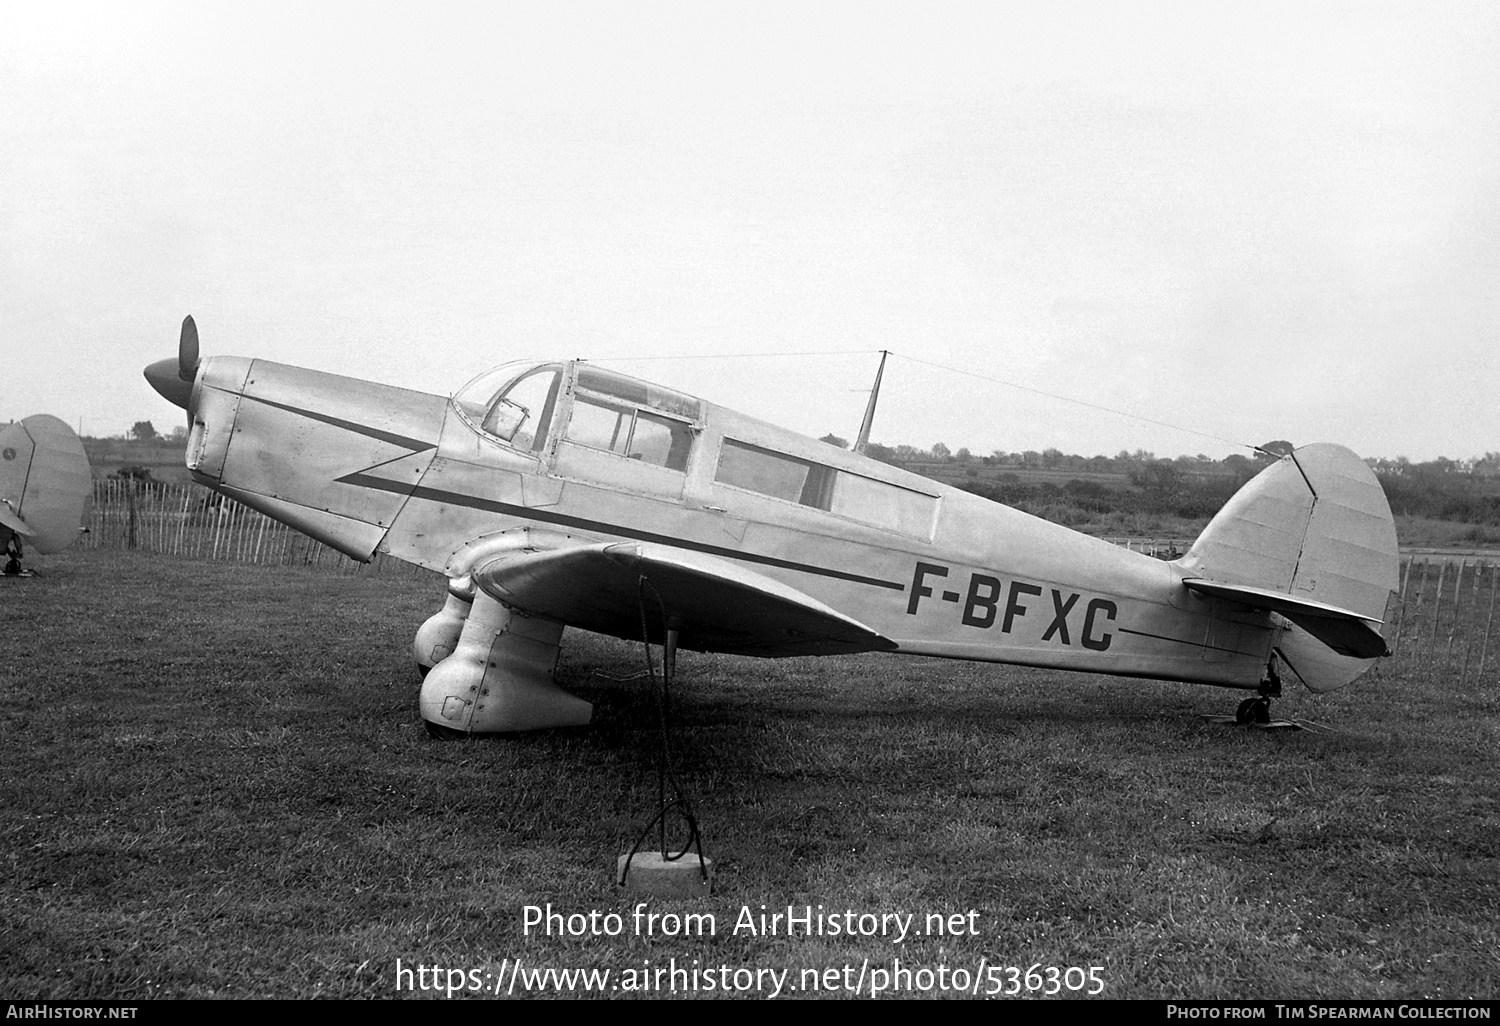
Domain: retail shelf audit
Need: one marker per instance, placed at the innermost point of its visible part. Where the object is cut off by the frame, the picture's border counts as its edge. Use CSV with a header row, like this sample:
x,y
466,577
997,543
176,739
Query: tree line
x,y
1189,487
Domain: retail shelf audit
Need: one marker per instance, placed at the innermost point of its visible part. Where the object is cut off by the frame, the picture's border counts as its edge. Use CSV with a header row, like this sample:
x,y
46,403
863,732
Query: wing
x,y
715,605
1343,630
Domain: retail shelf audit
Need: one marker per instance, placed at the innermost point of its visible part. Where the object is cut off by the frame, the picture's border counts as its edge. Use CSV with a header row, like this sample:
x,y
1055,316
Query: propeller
x,y
187,350
173,379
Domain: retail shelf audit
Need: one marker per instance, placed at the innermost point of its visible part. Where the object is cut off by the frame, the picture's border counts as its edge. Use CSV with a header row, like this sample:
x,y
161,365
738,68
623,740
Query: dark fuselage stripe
x,y
1179,641
563,520
414,444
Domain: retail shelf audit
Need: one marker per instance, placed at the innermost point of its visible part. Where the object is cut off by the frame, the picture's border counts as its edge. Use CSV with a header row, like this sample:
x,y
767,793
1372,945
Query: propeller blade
x,y
187,350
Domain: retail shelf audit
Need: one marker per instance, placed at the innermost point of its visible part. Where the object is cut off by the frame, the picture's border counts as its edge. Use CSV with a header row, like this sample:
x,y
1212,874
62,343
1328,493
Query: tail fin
x,y
1311,538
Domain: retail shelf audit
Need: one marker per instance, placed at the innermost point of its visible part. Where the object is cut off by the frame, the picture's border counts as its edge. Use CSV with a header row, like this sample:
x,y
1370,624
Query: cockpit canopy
x,y
515,402
522,403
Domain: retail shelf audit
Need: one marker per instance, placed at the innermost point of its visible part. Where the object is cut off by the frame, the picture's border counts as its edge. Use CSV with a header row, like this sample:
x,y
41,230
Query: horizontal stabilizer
x,y
9,518
1343,630
715,605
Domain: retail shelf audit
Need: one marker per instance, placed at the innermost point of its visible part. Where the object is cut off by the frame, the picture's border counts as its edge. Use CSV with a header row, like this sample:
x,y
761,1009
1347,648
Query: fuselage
x,y
582,454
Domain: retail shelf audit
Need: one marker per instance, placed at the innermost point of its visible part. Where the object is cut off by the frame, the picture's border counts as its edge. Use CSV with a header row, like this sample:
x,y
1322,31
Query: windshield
x,y
513,402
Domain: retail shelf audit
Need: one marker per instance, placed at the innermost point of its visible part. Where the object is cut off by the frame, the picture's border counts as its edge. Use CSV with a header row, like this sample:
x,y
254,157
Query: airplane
x,y
45,484
558,493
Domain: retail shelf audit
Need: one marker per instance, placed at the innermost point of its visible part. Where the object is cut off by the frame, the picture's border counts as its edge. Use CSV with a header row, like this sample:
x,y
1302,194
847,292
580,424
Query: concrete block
x,y
650,874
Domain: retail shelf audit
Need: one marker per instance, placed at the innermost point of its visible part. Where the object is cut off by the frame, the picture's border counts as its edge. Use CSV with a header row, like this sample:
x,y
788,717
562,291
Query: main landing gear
x,y
488,669
13,557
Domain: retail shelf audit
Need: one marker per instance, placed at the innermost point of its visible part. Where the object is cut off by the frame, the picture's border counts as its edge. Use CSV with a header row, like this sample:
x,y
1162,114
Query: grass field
x,y
213,782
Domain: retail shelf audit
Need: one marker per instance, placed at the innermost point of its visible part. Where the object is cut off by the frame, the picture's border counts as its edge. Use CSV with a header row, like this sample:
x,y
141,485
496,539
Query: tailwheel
x,y
1254,710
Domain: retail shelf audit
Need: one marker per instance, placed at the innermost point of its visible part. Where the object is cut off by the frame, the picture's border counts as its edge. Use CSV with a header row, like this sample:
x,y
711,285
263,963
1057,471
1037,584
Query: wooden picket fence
x,y
1441,618
1161,548
191,521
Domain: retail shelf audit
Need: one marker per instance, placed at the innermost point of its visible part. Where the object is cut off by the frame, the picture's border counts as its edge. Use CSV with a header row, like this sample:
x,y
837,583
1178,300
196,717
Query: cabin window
x,y
521,414
627,431
883,505
773,473
860,498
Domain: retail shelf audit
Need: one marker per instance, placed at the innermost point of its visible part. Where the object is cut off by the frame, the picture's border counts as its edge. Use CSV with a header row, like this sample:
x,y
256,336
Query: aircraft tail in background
x,y
45,483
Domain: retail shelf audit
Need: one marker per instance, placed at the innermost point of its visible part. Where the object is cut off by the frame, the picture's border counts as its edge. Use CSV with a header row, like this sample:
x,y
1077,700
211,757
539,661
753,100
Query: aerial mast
x,y
864,428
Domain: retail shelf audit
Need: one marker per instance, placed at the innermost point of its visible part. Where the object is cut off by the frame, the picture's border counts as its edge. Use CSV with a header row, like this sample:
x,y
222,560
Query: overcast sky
x,y
1248,220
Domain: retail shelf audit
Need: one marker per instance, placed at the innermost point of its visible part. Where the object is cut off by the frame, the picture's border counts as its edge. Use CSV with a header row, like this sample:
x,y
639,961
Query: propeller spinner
x,y
174,378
